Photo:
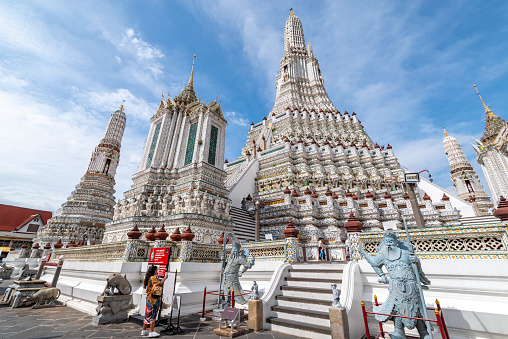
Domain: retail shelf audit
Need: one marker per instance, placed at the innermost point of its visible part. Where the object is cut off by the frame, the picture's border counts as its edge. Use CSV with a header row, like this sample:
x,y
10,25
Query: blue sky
x,y
406,67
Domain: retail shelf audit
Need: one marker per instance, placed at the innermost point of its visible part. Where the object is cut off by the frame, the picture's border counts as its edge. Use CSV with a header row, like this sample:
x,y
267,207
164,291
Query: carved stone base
x,y
112,309
226,332
339,323
255,315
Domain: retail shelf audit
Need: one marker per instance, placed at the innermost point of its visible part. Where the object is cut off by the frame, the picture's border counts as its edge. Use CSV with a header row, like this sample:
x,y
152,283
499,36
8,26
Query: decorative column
x,y
24,251
292,243
150,236
160,238
131,246
47,252
353,227
186,249
36,252
502,210
176,236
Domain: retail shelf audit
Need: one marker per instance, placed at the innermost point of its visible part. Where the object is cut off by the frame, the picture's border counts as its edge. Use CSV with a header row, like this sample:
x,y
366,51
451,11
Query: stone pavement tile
x,y
278,335
260,335
101,334
88,327
80,334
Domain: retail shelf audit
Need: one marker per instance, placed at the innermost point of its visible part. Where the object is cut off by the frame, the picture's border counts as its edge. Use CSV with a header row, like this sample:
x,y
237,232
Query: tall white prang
x,y
180,179
492,153
82,218
311,164
464,177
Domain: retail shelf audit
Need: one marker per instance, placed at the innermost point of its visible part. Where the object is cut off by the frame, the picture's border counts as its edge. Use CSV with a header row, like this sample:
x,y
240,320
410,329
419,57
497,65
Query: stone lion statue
x,y
119,283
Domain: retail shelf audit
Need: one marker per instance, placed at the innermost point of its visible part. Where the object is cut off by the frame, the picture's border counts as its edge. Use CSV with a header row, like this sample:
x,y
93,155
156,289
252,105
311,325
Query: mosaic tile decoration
x,y
213,145
459,242
154,143
191,141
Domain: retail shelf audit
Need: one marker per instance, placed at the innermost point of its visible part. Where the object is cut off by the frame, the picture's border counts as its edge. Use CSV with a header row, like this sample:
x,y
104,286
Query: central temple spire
x,y
299,81
188,95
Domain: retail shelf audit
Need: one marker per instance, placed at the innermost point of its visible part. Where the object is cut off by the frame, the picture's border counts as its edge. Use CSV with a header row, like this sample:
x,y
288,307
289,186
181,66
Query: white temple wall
x,y
245,185
472,293
82,282
436,193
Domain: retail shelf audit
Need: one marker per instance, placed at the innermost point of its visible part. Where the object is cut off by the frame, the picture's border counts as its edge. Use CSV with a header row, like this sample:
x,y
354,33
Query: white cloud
x,y
234,118
131,43
108,102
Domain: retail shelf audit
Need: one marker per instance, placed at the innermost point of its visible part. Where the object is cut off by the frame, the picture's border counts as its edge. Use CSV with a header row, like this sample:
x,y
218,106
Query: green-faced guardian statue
x,y
404,295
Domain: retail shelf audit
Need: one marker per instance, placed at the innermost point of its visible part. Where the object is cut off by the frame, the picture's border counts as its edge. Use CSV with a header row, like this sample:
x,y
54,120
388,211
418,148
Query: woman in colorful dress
x,y
153,295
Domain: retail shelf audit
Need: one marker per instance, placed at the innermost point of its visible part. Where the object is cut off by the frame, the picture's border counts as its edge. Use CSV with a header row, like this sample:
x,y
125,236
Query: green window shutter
x,y
190,144
213,145
154,143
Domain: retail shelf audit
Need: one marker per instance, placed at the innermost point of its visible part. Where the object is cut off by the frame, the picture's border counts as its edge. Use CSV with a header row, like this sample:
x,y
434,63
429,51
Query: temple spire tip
x,y
487,109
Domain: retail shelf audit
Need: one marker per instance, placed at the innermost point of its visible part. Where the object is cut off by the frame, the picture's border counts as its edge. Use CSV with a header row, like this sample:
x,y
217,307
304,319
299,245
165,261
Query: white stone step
x,y
302,318
298,329
484,219
332,275
326,265
313,283
302,304
307,293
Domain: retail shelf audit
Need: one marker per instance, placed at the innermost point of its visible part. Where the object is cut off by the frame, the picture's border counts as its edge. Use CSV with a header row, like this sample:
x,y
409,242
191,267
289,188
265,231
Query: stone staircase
x,y
302,307
245,226
481,220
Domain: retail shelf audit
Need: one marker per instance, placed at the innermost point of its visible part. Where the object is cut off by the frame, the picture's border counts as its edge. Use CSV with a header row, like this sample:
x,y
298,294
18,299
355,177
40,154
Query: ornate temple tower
x,y
464,177
91,205
180,180
308,162
492,152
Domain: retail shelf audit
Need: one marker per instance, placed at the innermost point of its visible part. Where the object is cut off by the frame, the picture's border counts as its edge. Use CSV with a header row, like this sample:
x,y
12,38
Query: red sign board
x,y
161,271
159,256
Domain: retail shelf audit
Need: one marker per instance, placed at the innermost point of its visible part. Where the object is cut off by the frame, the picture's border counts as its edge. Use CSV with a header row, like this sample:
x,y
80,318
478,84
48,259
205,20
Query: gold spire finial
x,y
485,107
445,132
191,79
291,13
121,107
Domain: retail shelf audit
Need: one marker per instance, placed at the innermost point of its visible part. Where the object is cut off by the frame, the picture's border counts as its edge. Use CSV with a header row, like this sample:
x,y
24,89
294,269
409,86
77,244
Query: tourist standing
x,y
153,295
321,250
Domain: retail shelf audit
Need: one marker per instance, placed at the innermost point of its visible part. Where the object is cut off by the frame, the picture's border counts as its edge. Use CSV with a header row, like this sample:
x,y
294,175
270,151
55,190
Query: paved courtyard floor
x,y
65,322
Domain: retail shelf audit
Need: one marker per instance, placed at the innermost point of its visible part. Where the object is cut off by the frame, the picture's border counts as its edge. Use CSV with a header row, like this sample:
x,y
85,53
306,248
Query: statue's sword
x,y
415,269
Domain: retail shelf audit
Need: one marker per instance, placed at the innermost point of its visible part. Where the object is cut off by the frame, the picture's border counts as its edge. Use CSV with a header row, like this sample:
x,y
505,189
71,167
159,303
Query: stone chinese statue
x,y
6,271
336,297
43,297
114,302
237,263
404,295
254,295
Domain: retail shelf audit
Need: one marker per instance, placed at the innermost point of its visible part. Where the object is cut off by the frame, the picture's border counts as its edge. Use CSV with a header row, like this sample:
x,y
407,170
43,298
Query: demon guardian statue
x,y
404,295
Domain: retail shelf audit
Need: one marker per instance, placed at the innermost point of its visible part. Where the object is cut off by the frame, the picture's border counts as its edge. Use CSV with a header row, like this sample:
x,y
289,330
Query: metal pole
x,y
365,320
380,323
256,238
204,303
414,204
415,269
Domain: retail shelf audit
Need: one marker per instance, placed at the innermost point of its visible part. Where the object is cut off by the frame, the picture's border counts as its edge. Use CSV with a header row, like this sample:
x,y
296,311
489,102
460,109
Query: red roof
x,y
12,217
